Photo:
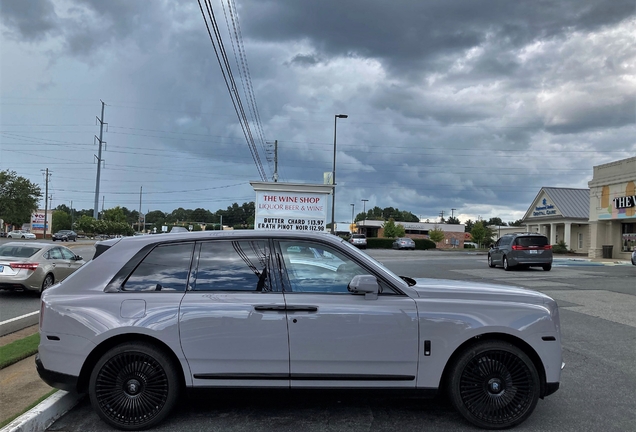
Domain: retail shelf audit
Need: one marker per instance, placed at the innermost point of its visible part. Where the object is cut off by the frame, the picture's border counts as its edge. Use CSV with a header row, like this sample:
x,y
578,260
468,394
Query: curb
x,y
40,417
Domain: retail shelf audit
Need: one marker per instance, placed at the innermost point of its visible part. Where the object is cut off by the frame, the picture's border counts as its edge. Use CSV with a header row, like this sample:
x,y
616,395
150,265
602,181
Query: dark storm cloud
x,y
28,20
417,33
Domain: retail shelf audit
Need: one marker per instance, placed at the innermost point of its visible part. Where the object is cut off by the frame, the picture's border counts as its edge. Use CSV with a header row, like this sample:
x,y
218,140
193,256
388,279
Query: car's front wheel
x,y
134,386
494,385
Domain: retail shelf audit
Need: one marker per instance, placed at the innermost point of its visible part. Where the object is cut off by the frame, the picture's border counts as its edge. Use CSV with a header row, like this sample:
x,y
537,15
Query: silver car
x,y
403,243
151,316
31,266
20,234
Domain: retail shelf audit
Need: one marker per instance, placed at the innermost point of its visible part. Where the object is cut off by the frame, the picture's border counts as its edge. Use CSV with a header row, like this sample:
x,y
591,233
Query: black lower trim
x,y
551,388
304,377
55,379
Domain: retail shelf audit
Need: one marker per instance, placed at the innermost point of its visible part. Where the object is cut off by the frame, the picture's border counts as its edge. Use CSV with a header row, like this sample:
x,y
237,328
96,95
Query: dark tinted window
x,y
359,236
506,241
67,254
165,268
233,266
532,241
17,251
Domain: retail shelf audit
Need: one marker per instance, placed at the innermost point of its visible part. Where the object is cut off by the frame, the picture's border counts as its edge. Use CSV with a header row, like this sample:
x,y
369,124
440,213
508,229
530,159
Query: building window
x,y
580,241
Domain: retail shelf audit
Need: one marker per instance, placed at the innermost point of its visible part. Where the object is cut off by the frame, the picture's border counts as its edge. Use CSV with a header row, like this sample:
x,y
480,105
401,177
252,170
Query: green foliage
x,y
423,244
436,234
560,248
481,234
391,230
115,214
376,213
453,221
469,226
495,221
518,222
61,221
90,226
18,350
18,198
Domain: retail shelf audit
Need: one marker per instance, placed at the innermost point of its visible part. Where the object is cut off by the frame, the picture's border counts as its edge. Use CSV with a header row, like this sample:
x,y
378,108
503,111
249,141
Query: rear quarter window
x,y
165,268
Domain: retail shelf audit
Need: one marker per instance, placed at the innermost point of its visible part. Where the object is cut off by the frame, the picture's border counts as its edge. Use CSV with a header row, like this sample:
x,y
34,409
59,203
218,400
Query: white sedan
x,y
20,234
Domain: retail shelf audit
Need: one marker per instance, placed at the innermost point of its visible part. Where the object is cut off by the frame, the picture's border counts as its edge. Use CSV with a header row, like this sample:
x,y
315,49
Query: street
x,y
598,326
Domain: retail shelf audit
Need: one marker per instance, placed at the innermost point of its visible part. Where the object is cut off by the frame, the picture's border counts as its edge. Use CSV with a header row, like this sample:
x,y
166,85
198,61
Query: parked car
x,y
150,316
634,257
358,240
65,235
521,249
35,266
20,234
403,243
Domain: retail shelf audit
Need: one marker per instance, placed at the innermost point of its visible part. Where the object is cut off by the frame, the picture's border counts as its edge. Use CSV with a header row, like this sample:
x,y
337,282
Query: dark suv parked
x,y
65,235
521,249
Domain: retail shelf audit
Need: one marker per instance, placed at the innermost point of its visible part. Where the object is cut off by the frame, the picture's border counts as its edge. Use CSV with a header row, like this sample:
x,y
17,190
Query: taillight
x,y
517,247
26,266
547,247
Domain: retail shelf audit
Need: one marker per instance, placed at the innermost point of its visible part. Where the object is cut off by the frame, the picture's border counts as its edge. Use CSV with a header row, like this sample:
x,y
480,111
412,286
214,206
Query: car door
x,y
57,264
336,338
71,264
232,319
495,253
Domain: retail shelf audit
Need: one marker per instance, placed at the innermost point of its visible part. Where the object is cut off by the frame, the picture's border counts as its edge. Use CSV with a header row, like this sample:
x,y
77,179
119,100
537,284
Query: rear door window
x,y
165,268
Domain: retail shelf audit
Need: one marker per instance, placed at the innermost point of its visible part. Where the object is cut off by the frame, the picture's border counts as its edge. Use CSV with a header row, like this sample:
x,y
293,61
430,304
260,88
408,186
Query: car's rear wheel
x,y
494,385
134,386
547,267
506,265
47,282
490,262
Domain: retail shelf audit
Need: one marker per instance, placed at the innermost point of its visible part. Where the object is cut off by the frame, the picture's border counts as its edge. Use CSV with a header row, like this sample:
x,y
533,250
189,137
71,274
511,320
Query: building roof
x,y
573,203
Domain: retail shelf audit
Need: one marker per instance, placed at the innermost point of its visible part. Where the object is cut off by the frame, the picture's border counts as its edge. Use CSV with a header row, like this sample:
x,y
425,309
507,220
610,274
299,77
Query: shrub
x,y
379,243
423,244
560,248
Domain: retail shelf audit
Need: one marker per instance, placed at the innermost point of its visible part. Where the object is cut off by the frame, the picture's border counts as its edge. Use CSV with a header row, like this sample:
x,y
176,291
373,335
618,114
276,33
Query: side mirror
x,y
365,284
491,246
78,258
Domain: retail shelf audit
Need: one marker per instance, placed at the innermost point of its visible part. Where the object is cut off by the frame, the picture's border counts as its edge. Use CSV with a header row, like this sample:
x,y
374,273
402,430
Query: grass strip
x,y
9,420
18,350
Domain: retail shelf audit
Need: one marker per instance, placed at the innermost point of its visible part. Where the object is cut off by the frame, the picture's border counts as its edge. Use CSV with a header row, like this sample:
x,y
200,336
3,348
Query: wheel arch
x,y
513,340
102,348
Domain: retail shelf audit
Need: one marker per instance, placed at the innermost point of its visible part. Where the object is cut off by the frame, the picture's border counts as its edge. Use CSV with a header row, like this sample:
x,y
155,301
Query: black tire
x,y
494,385
53,239
491,264
547,267
506,265
47,282
134,386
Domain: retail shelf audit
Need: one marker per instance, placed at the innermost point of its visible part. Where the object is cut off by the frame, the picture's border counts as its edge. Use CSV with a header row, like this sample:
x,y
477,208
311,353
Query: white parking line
x,y
19,318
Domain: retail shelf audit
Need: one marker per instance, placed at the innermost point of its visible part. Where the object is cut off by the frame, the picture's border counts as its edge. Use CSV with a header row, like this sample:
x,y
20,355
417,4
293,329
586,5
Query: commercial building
x,y
453,233
612,210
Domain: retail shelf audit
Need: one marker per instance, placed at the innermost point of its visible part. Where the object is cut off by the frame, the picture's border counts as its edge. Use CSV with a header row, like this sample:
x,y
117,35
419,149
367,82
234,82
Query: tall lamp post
x,y
353,208
333,174
364,208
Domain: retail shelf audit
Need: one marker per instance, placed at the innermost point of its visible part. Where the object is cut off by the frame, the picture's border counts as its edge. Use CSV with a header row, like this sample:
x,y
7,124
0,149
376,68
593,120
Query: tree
x,y
469,226
516,223
155,215
495,221
114,215
481,234
61,221
391,230
436,234
453,221
18,198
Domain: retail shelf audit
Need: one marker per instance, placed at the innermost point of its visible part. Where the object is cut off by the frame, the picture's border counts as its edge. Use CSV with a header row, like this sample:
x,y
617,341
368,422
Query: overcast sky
x,y
464,105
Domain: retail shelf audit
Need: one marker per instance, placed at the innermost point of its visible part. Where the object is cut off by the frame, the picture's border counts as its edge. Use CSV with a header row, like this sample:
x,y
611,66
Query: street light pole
x,y
333,173
353,208
364,208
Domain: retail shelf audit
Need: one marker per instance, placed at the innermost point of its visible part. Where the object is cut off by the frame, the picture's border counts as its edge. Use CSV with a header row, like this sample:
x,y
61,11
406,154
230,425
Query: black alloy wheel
x,y
134,386
494,385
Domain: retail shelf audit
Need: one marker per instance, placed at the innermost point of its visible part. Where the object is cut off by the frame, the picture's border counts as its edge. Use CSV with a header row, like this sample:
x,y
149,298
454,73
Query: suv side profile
x,y
521,250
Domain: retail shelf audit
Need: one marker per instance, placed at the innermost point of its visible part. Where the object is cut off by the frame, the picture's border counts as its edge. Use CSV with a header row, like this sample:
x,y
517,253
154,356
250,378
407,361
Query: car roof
x,y
31,243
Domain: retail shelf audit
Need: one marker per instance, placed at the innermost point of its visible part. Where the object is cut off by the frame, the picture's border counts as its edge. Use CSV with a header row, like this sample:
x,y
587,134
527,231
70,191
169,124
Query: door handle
x,y
269,308
302,308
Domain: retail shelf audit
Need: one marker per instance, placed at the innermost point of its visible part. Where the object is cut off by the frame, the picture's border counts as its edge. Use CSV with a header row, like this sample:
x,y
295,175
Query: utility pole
x,y
103,198
275,160
141,188
72,215
46,200
441,215
99,161
453,213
